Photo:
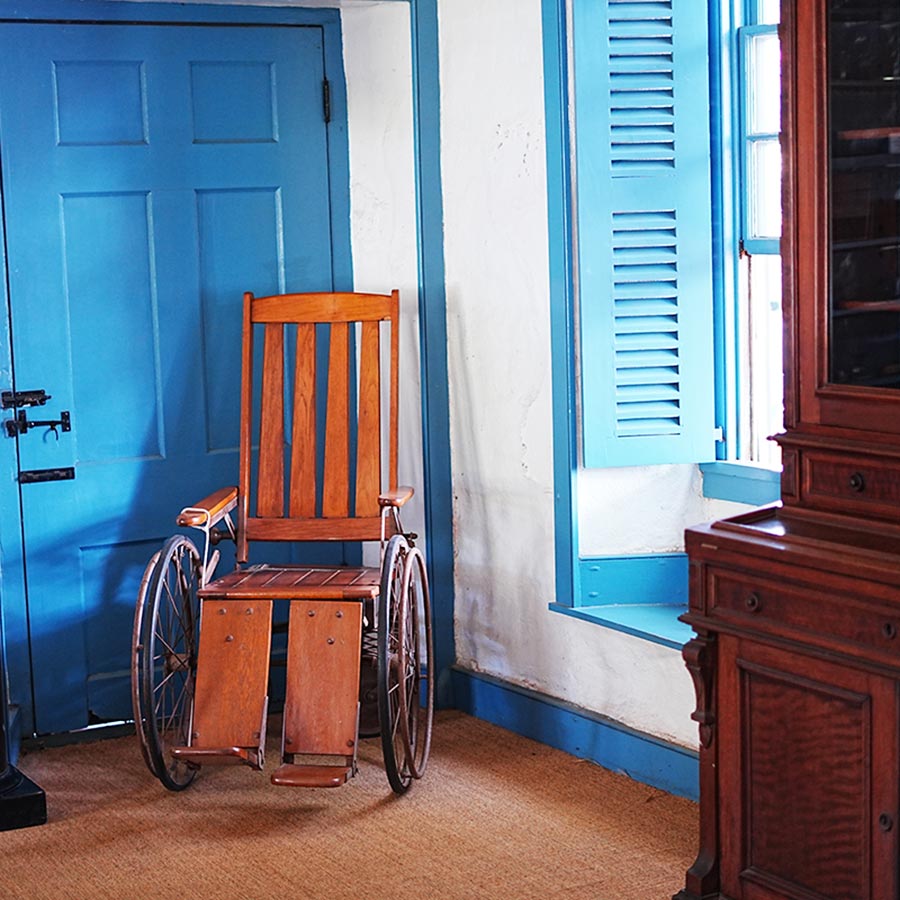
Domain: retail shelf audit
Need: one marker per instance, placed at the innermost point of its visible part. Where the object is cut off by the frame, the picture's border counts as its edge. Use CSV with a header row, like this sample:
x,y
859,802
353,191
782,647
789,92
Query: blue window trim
x,y
635,610
433,336
750,242
559,196
659,579
609,585
741,483
654,622
726,227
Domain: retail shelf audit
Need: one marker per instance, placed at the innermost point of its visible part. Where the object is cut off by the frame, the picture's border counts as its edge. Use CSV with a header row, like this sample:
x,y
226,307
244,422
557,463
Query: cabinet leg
x,y
702,879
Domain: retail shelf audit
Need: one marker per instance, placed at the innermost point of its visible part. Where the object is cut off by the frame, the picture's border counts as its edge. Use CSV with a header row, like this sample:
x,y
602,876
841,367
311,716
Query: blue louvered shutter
x,y
644,231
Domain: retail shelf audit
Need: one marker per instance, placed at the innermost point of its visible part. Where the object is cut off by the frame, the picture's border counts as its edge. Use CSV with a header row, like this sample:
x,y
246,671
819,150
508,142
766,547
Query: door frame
x,y
15,654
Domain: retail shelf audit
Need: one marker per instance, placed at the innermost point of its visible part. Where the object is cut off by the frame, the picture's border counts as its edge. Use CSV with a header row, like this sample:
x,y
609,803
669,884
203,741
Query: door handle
x,y
21,423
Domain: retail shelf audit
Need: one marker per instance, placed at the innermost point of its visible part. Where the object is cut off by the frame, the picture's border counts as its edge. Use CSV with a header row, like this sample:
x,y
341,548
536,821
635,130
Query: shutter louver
x,y
644,229
645,297
642,96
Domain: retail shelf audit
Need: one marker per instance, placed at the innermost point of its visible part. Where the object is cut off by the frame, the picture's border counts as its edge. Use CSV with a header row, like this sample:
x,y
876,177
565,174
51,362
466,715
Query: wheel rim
x,y
137,661
389,639
168,660
414,664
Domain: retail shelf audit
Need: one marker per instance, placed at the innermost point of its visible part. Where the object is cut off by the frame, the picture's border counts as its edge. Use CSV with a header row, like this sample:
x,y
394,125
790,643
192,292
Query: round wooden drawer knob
x,y
857,482
889,630
754,604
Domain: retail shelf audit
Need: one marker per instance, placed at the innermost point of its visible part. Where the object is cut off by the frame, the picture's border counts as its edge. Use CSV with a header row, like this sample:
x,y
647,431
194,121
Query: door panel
x,y
151,175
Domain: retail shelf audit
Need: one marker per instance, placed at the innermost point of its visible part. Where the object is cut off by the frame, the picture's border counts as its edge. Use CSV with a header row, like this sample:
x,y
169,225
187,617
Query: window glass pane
x,y
864,120
768,12
764,84
766,371
765,189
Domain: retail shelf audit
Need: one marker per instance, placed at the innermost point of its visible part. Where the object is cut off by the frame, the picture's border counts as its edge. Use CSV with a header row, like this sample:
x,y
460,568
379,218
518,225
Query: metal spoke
x,y
173,603
165,680
163,641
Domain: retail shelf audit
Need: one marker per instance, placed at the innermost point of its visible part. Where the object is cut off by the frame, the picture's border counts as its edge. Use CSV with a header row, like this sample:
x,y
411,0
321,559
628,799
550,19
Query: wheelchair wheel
x,y
405,686
137,658
165,658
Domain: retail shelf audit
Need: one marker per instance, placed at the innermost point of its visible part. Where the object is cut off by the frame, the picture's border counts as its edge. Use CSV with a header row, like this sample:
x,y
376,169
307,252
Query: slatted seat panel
x,y
317,480
296,583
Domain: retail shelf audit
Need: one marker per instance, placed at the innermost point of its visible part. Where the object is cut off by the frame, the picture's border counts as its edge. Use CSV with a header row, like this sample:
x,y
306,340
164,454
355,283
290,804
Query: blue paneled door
x,y
151,174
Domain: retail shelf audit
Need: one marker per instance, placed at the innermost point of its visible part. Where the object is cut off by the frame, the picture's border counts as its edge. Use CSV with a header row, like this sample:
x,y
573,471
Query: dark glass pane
x,y
864,111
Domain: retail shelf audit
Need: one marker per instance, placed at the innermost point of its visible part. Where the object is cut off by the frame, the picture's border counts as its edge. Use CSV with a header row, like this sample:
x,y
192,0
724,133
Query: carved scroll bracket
x,y
699,656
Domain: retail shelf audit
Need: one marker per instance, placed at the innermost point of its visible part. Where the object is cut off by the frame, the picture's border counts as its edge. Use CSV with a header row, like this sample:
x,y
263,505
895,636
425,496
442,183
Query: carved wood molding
x,y
699,657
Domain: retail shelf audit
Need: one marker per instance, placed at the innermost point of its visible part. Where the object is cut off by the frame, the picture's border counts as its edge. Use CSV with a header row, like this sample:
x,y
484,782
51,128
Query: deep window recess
x,y
663,120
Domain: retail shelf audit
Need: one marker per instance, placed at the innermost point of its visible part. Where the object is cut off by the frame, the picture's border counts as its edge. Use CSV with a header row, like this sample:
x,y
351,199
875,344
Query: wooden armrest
x,y
395,498
214,506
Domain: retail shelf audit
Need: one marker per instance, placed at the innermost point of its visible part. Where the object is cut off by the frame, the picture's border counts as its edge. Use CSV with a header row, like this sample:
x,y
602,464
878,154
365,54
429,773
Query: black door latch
x,y
15,399
21,423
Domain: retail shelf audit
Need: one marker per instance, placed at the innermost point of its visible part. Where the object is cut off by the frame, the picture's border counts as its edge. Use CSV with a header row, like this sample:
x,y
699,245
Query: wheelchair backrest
x,y
319,413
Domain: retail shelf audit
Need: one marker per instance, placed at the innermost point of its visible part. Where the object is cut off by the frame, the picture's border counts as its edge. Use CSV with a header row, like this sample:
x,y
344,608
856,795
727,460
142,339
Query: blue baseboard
x,y
577,731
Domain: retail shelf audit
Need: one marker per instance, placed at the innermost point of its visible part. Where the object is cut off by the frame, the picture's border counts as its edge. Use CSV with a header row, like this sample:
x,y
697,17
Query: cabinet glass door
x,y
864,131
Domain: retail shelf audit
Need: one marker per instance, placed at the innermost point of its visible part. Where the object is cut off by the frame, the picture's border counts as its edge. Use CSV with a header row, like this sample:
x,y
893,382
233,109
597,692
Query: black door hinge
x,y
326,100
38,476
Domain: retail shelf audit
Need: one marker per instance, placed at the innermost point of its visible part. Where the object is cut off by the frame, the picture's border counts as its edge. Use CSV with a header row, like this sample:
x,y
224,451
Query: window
x,y
757,86
664,197
655,175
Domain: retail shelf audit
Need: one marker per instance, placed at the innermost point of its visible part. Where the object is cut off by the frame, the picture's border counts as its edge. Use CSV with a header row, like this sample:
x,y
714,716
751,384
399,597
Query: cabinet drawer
x,y
872,486
816,616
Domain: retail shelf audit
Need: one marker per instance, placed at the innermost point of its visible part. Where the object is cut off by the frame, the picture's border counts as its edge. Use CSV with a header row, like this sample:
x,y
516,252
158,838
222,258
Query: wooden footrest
x,y
216,755
290,775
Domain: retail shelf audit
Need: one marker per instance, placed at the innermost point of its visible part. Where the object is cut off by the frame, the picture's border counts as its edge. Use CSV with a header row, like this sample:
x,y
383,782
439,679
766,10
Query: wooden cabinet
x,y
797,668
806,761
796,608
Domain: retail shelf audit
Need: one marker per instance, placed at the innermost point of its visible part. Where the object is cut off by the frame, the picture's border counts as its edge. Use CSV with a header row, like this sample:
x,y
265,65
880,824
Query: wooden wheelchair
x,y
202,646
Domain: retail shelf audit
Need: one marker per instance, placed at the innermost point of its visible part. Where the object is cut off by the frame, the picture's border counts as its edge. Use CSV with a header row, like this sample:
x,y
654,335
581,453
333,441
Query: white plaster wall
x,y
642,509
378,68
495,212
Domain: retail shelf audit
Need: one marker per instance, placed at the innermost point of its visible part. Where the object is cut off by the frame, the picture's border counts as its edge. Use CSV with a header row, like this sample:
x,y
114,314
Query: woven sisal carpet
x,y
497,817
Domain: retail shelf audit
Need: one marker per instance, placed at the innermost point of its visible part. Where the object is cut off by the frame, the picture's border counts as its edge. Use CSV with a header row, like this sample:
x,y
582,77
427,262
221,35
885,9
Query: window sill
x,y
654,622
642,595
741,483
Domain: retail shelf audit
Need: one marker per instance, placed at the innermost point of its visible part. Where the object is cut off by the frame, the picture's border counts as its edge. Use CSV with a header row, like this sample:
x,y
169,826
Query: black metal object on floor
x,y
22,802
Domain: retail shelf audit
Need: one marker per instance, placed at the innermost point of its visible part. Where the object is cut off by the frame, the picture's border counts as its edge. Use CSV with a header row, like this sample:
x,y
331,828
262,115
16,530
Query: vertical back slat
x,y
395,389
368,441
270,489
246,427
303,432
336,482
